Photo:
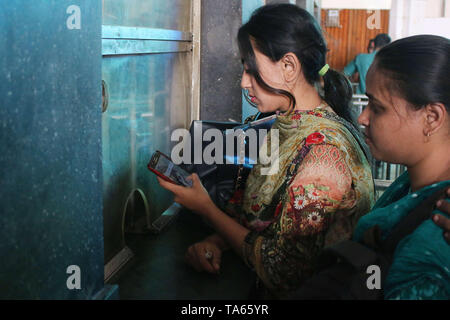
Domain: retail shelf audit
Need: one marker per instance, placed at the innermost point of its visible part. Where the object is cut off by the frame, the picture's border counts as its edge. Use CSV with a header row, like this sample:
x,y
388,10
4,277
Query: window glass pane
x,y
148,99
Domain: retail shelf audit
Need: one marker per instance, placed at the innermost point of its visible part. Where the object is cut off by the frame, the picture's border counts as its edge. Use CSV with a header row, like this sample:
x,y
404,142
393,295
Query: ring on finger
x,y
208,255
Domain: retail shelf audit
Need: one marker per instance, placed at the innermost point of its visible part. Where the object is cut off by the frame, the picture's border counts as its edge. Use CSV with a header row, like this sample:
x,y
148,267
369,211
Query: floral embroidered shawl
x,y
322,186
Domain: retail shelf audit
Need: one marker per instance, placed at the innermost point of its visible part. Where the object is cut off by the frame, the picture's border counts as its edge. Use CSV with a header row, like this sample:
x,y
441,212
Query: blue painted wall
x,y
50,149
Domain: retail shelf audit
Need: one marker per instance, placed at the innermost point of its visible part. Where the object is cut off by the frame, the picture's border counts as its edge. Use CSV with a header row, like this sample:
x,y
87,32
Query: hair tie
x,y
324,70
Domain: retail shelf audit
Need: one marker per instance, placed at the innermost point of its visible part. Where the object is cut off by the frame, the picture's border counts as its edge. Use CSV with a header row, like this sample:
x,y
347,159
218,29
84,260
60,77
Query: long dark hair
x,y
281,28
418,68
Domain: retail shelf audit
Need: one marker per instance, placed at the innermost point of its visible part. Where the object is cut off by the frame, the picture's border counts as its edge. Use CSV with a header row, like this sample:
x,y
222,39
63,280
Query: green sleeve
x,y
424,289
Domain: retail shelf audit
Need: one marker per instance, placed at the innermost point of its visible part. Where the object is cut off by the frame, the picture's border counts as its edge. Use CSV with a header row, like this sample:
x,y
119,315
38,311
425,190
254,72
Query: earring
x,y
428,134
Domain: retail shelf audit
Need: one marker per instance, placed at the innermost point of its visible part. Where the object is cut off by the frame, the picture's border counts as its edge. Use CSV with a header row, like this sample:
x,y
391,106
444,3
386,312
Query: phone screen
x,y
174,172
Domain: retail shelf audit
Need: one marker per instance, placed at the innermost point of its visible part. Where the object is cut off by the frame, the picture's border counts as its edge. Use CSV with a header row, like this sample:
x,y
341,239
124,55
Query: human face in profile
x,y
393,129
272,73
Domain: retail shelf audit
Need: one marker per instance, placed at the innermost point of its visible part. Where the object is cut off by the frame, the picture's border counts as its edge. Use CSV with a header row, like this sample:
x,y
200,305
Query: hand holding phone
x,y
162,166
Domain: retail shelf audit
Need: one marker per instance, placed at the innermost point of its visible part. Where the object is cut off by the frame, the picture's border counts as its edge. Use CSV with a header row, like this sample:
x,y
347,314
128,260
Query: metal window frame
x,y
121,40
139,33
195,62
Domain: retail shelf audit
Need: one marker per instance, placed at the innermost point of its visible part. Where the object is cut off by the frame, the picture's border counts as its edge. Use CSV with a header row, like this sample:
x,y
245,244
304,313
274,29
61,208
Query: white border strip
x,y
360,4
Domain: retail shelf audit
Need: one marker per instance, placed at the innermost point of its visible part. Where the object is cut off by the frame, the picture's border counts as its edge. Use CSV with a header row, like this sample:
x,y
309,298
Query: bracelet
x,y
247,248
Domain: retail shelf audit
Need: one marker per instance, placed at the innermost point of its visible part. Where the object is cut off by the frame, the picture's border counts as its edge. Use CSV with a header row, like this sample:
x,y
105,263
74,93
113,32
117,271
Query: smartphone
x,y
162,166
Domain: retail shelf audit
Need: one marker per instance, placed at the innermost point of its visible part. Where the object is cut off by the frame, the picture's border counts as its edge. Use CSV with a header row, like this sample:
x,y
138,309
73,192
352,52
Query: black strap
x,y
358,137
291,171
302,152
411,221
352,252
350,127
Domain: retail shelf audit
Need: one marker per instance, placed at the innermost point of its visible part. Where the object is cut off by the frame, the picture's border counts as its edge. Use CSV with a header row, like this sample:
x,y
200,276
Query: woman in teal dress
x,y
407,121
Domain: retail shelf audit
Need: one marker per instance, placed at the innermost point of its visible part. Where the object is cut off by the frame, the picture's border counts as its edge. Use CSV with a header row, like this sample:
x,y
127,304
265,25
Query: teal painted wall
x,y
50,149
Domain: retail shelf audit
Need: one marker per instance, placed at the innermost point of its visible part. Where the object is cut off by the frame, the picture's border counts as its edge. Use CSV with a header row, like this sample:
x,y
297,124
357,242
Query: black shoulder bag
x,y
221,180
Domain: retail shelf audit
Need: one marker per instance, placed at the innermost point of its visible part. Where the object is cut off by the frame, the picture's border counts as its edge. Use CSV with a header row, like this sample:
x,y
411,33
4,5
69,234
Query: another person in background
x,y
362,62
371,46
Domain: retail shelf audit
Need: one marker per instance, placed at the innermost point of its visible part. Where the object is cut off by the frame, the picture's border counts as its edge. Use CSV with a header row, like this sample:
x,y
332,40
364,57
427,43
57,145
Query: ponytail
x,y
278,29
338,94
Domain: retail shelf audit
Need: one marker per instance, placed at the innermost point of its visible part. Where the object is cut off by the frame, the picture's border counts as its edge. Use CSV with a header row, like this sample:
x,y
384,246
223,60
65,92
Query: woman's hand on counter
x,y
204,256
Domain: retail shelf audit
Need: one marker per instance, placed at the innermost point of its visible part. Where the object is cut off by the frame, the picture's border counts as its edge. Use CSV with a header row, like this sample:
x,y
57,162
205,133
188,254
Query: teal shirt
x,y
421,265
360,64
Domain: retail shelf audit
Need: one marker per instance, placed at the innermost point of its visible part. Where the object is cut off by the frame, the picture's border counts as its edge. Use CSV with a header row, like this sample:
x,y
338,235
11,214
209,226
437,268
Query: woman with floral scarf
x,y
321,182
